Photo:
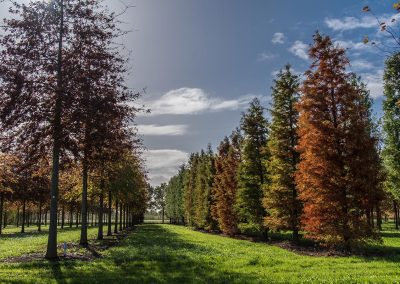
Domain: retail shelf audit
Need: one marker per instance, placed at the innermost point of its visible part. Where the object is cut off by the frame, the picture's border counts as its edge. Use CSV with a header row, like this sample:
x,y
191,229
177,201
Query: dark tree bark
x,y
23,217
40,218
396,214
109,231
84,241
57,133
120,217
101,205
62,217
71,215
77,218
1,212
5,219
18,217
116,217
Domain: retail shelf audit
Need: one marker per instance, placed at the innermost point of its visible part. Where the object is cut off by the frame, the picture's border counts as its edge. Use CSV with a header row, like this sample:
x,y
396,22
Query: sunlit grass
x,y
13,243
156,253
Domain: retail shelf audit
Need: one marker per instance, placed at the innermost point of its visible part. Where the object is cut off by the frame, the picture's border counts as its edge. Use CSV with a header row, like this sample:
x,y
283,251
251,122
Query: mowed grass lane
x,y
156,253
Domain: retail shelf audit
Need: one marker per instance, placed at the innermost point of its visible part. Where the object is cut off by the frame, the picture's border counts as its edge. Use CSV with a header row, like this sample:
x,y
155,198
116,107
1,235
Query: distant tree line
x,y
321,167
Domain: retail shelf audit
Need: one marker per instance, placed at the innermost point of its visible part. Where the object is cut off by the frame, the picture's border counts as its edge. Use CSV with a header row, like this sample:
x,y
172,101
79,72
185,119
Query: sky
x,y
202,61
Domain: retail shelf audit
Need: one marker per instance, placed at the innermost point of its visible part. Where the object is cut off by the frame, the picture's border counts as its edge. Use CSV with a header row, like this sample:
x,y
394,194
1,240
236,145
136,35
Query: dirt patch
x,y
315,250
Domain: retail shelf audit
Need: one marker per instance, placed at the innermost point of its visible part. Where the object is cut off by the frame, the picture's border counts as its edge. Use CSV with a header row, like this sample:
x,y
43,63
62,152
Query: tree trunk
x,y
51,252
162,210
18,217
77,218
1,212
109,232
40,218
5,218
23,217
62,217
28,218
120,217
84,241
116,217
101,205
92,221
396,215
71,215
379,218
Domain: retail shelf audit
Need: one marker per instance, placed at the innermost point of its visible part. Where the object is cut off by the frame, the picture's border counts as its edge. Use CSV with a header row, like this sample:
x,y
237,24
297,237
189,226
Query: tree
x,y
389,41
226,184
159,199
252,170
391,127
204,176
189,187
174,197
281,197
334,178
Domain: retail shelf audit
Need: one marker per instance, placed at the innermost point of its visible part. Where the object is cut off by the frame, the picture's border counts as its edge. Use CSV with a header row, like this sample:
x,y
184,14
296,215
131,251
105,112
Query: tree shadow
x,y
152,254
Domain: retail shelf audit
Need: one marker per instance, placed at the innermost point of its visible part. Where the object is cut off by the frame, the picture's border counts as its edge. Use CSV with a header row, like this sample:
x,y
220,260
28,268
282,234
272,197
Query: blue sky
x,y
202,61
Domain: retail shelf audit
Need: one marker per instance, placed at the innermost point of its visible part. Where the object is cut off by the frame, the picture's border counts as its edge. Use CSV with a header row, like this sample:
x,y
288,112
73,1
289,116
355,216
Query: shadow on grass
x,y
151,254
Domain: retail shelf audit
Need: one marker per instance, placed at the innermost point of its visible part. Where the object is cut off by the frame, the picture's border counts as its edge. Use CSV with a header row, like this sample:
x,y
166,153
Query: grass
x,y
156,253
13,243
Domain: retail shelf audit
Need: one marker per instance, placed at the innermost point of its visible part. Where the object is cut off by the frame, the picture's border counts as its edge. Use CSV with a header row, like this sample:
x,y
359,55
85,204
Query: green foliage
x,y
280,199
391,124
174,197
252,170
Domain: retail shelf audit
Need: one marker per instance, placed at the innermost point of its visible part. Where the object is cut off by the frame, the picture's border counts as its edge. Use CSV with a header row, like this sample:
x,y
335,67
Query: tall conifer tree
x,y
281,198
334,177
252,169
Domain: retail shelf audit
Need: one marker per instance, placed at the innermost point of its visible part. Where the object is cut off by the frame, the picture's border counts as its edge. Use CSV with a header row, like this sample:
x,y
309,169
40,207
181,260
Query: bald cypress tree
x,y
334,176
252,169
281,197
226,183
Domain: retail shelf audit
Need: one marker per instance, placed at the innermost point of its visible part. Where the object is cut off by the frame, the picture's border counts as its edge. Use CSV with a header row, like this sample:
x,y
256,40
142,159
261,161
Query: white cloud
x,y
266,56
278,38
374,83
354,45
365,22
361,64
193,101
350,23
163,164
299,49
170,130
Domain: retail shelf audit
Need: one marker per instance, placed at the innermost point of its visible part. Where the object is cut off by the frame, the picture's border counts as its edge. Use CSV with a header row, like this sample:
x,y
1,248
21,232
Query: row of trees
x,y
316,167
65,113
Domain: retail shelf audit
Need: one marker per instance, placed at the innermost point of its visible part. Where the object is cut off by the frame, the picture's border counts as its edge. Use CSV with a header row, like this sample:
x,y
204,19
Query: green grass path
x,y
156,253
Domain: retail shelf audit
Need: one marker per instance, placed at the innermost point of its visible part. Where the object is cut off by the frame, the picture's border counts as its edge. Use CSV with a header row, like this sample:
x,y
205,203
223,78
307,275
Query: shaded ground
x,y
156,253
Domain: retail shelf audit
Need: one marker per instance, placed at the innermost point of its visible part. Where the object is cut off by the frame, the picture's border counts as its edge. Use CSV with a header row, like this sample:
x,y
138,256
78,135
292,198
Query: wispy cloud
x,y
350,23
278,38
299,49
163,164
374,83
193,101
266,56
365,22
361,64
355,45
164,130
